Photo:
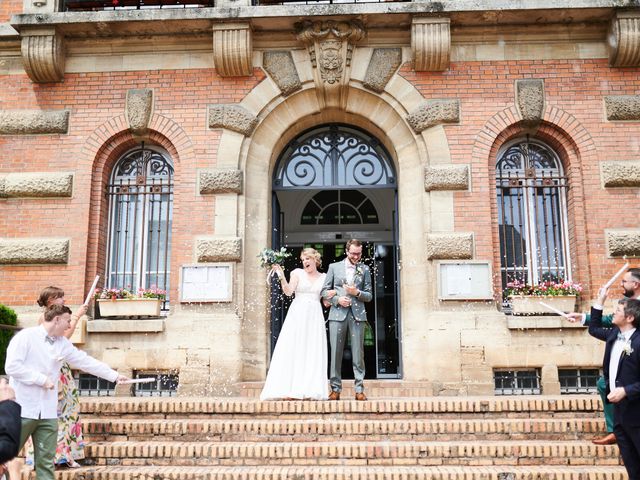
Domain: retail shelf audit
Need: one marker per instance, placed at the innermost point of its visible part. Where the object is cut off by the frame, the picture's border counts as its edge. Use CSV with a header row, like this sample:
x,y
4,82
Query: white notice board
x,y
464,280
205,282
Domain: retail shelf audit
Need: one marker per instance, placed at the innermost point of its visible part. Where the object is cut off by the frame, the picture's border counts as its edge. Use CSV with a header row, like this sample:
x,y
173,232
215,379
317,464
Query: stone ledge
x,y
623,242
36,184
620,174
446,177
533,322
30,251
125,325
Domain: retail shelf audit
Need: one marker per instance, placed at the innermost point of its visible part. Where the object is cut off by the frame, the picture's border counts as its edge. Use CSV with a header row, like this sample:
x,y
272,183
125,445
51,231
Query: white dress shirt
x,y
31,361
616,353
350,271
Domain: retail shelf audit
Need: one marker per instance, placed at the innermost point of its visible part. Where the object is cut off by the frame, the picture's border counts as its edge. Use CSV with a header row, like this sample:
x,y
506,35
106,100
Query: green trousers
x,y
44,433
608,407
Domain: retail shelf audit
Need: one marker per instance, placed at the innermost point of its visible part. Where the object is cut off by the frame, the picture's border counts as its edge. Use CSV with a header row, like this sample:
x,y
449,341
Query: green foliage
x,y
7,317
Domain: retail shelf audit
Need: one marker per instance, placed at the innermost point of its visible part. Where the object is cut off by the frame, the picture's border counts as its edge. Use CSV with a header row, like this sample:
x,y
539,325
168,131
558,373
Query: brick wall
x,y
8,8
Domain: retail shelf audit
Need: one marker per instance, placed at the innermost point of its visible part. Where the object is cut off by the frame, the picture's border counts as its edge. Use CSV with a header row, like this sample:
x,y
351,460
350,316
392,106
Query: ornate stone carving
x,y
280,67
220,181
383,64
449,246
30,122
620,174
330,45
434,112
233,49
623,40
430,43
37,184
622,107
211,249
21,251
623,242
446,177
43,55
138,109
233,117
530,99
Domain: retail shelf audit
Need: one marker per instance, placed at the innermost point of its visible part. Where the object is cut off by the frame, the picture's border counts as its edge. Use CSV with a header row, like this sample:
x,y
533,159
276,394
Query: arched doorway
x,y
332,183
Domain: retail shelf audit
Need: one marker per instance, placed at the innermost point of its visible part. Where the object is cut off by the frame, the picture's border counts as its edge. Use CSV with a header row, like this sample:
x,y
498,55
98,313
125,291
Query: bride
x,y
298,367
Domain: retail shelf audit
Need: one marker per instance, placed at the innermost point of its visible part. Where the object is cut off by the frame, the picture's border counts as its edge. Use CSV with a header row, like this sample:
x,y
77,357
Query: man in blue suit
x,y
621,367
352,281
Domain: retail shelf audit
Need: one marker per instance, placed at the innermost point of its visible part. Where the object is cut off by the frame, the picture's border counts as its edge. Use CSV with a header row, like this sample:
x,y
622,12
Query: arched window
x,y
532,213
140,195
339,207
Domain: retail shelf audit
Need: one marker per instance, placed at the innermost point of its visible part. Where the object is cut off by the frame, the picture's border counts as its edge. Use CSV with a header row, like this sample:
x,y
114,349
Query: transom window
x,y
334,156
339,207
140,211
532,213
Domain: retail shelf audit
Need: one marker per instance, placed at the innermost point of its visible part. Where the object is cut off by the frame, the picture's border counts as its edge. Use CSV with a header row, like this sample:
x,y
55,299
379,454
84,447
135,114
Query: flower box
x,y
130,307
530,304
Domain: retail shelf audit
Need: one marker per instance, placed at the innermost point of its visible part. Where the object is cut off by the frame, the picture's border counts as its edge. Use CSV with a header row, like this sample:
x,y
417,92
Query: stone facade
x,y
442,87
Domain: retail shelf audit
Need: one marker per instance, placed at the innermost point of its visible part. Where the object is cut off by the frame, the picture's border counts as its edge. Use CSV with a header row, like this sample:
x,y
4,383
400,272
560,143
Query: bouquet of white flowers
x,y
270,257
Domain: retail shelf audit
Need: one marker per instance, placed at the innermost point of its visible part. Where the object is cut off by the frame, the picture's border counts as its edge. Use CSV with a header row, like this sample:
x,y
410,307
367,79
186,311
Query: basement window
x,y
92,386
517,382
164,384
578,380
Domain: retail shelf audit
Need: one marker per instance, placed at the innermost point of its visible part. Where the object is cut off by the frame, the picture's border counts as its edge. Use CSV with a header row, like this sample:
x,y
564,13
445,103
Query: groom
x,y
352,281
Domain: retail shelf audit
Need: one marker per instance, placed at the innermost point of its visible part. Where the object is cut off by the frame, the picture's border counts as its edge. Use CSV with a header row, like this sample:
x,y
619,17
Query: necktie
x,y
49,339
621,337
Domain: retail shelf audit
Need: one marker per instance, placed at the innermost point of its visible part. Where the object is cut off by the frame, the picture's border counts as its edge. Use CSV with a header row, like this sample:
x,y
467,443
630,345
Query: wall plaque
x,y
464,280
206,282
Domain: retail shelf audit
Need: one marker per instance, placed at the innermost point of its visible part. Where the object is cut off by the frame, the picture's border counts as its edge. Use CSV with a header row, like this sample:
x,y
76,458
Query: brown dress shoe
x,y
334,395
609,439
361,396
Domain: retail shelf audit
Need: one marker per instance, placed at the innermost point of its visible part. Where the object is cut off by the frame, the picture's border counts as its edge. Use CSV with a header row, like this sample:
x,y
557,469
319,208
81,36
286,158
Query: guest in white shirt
x,y
34,358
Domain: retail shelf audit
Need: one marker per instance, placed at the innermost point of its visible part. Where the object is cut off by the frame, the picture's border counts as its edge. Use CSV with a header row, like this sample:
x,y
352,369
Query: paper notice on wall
x,y
458,280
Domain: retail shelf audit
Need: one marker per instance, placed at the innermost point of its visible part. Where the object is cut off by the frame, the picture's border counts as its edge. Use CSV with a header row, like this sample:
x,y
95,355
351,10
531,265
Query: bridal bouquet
x,y
270,257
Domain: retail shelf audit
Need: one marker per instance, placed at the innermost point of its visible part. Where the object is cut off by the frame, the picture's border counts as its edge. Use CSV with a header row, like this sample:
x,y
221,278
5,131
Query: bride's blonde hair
x,y
313,253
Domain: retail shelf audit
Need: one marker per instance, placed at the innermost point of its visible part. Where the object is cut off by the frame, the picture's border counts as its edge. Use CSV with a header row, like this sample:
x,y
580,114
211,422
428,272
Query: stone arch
x,y
281,120
575,147
102,149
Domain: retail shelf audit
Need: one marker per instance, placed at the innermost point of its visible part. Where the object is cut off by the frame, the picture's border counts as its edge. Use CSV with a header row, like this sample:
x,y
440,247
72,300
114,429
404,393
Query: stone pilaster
x,y
330,45
430,43
233,49
43,55
623,40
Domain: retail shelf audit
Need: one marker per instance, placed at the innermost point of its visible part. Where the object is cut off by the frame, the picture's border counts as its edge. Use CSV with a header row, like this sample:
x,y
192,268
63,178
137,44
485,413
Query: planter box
x,y
530,305
142,307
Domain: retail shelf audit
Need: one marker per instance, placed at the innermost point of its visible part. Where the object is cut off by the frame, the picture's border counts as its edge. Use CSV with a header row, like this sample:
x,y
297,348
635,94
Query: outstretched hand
x,y
574,317
6,392
602,295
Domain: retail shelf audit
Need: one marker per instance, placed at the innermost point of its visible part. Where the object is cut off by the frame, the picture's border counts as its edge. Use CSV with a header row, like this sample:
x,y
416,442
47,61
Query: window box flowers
x,y
121,302
525,299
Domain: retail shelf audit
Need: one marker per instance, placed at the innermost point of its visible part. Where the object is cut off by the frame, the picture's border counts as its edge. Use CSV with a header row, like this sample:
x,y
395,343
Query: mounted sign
x,y
464,280
204,282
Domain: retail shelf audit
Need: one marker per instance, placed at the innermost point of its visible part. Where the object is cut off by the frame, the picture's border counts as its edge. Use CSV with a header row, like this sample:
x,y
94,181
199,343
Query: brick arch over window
x,y
575,147
102,150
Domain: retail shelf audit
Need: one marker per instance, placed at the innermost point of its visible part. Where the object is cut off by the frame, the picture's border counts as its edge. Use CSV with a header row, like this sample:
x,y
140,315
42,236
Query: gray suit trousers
x,y
337,337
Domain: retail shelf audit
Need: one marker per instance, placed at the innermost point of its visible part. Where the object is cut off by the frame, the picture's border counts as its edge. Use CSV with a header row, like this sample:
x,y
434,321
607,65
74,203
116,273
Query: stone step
x,y
335,429
456,453
569,406
374,388
339,472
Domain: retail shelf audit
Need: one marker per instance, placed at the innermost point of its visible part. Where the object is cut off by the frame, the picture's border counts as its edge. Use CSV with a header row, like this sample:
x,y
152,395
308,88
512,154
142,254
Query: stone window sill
x,y
531,322
121,325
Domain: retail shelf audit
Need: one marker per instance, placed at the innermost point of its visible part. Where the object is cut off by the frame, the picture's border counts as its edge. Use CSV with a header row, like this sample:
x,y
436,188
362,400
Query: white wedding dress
x,y
299,362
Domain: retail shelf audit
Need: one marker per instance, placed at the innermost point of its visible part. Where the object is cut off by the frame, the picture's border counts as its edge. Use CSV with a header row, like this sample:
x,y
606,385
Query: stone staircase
x,y
455,438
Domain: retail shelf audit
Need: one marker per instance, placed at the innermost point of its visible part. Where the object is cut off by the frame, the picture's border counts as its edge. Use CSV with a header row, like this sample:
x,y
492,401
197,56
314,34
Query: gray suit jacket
x,y
336,277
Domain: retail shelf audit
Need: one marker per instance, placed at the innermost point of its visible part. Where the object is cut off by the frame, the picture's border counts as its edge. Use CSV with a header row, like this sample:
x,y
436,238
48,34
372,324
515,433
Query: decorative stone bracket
x,y
43,55
623,242
233,49
330,45
622,107
446,177
434,112
214,249
36,184
138,110
623,40
620,174
220,181
29,251
431,43
450,246
232,117
530,99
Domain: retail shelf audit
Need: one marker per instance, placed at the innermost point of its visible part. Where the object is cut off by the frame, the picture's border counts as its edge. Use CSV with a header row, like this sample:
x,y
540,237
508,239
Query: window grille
x,y
92,386
140,213
517,382
532,219
578,380
165,385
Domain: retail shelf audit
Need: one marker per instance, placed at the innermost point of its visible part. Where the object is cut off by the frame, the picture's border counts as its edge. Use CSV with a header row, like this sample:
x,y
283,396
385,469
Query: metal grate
x,y
140,216
97,5
92,386
578,380
517,382
165,385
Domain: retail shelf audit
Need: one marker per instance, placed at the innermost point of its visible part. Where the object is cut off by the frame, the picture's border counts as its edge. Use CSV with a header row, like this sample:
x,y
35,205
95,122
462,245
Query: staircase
x,y
455,438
